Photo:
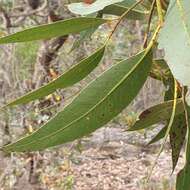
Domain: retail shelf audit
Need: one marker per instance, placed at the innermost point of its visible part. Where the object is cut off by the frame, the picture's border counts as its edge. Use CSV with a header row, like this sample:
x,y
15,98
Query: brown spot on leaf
x,y
144,114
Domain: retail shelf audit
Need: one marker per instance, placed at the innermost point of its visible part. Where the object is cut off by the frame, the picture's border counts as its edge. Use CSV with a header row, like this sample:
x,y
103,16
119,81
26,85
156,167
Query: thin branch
x,y
160,13
121,18
168,128
149,23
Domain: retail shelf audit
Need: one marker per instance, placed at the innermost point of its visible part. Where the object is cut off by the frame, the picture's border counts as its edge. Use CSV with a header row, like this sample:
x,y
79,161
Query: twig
x,y
160,13
121,18
168,129
149,23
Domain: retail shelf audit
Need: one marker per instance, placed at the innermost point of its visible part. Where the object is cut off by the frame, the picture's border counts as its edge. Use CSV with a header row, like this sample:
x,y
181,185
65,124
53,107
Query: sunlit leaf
x,y
95,106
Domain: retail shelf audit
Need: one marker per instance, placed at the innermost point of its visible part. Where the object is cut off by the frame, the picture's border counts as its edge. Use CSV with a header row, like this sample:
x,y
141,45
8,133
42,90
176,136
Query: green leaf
x,y
160,70
84,35
60,28
159,136
178,129
177,137
183,177
156,114
129,3
175,40
95,106
180,180
86,9
118,9
69,78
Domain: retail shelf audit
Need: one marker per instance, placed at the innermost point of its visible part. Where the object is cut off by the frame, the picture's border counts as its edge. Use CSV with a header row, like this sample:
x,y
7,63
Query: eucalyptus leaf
x,y
175,40
86,9
95,106
183,177
69,78
156,114
177,137
160,70
56,29
159,136
118,10
178,129
84,35
129,3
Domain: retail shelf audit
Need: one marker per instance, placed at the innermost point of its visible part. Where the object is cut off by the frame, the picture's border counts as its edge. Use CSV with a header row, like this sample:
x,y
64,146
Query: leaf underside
x,y
177,44
86,9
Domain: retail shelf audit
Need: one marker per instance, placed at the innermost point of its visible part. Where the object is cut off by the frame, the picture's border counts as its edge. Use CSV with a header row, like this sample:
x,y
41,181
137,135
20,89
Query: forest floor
x,y
122,162
110,159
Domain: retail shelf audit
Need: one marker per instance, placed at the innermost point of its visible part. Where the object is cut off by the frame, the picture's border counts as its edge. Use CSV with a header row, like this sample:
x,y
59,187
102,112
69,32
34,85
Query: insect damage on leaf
x,y
144,114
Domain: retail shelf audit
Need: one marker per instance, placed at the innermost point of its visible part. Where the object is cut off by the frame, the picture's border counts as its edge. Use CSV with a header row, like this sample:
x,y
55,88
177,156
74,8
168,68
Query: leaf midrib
x,y
12,103
85,114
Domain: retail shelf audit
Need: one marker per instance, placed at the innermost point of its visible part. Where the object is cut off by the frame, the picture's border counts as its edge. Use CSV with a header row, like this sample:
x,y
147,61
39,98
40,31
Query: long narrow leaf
x,y
82,8
59,28
183,177
118,10
178,130
159,136
84,35
156,114
95,106
177,137
69,78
